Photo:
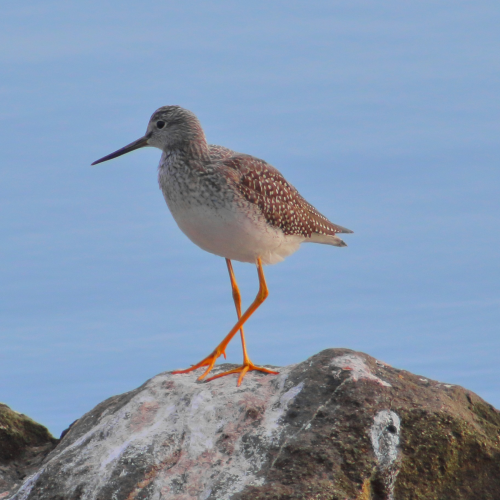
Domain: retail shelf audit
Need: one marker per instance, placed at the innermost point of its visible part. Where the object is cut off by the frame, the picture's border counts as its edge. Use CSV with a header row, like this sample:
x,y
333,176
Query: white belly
x,y
233,235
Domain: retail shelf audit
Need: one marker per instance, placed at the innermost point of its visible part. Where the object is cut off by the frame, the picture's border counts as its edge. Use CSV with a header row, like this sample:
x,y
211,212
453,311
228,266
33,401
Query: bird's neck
x,y
193,154
197,149
191,146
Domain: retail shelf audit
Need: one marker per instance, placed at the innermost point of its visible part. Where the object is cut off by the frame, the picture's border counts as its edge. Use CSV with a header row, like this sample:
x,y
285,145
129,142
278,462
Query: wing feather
x,y
280,203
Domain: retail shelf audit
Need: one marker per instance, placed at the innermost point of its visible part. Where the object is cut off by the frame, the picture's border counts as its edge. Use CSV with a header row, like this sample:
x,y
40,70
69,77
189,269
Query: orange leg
x,y
237,300
247,365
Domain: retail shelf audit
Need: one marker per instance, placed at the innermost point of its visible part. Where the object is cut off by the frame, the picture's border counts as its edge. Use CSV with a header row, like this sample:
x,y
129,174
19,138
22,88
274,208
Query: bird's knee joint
x,y
236,296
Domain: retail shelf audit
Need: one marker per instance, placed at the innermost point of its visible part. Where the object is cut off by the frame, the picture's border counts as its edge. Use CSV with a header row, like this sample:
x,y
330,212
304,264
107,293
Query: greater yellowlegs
x,y
230,204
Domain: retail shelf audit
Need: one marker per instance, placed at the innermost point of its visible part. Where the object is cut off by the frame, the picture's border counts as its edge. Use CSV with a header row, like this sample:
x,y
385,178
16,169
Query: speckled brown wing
x,y
280,203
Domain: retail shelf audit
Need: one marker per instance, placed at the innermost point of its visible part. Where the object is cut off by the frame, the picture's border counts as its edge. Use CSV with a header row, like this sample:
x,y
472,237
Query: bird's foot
x,y
242,370
209,361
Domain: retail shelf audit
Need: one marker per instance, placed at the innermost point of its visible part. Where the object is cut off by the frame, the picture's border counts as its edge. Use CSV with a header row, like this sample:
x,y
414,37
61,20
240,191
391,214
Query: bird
x,y
230,204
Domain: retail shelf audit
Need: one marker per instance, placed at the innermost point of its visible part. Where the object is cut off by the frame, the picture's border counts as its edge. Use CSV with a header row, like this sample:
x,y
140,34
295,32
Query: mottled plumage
x,y
279,202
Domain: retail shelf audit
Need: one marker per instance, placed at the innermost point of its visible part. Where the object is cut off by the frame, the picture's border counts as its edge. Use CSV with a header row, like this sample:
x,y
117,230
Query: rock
x,y
340,425
23,446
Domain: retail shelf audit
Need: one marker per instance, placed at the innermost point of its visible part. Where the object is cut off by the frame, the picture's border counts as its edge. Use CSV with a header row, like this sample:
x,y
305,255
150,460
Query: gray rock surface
x,y
340,425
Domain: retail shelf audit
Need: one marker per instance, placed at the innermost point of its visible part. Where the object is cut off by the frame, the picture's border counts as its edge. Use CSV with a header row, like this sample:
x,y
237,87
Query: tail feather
x,y
327,239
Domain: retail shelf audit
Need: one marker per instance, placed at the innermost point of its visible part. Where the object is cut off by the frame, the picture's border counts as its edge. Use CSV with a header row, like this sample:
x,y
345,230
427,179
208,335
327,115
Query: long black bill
x,y
140,143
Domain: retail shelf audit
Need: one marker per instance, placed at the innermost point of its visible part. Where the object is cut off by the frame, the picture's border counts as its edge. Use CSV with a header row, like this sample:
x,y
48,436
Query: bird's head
x,y
170,127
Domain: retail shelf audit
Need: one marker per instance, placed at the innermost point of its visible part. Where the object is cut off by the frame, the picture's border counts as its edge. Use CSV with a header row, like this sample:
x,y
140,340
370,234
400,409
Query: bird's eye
x,y
160,124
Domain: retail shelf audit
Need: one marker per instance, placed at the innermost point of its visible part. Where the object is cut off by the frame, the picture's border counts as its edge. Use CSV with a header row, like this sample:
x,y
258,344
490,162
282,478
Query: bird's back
x,y
279,202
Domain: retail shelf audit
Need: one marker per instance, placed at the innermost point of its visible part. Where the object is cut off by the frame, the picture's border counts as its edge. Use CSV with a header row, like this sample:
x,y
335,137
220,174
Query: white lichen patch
x,y
191,440
358,368
385,435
